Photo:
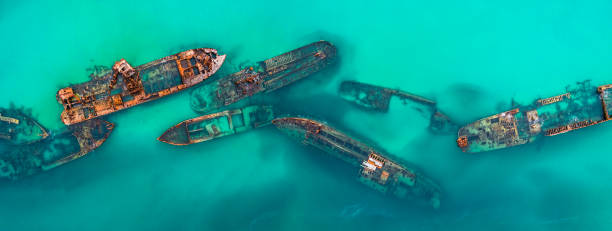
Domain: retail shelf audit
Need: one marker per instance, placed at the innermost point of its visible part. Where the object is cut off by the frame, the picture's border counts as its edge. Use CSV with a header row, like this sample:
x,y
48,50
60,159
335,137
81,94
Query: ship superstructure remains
x,y
218,124
72,142
125,86
376,169
265,76
377,98
16,127
581,106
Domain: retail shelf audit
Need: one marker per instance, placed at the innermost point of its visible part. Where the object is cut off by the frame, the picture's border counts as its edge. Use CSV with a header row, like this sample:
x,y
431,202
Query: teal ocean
x,y
473,57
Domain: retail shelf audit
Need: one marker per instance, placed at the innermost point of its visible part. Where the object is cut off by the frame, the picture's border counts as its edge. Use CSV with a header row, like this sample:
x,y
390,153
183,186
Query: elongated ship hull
x,y
581,106
124,87
264,76
376,170
217,125
73,142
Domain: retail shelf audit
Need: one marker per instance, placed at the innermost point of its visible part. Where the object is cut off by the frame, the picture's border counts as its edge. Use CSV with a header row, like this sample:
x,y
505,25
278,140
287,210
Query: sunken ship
x,y
581,106
376,169
125,86
377,98
17,127
70,143
218,124
263,77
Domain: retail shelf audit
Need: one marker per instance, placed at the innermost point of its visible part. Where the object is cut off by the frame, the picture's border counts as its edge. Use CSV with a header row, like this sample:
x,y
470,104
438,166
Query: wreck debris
x,y
265,76
17,127
583,105
377,170
75,141
126,86
377,98
218,124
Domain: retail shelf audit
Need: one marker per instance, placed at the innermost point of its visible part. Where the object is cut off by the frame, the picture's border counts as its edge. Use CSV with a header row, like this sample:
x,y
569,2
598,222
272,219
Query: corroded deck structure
x,y
377,98
264,76
376,169
581,106
75,141
124,86
218,124
18,128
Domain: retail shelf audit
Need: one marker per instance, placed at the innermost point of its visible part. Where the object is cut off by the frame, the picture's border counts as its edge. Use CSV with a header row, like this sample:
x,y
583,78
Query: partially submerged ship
x,y
376,169
376,98
263,77
581,106
125,86
17,127
72,142
218,124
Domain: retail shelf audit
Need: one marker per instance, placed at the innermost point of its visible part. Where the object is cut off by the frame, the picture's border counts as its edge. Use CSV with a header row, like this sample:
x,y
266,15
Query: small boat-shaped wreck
x,y
218,124
125,86
376,169
376,98
17,161
264,76
18,128
581,106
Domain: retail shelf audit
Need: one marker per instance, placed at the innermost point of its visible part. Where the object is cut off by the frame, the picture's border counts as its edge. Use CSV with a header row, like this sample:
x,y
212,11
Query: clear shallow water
x,y
471,56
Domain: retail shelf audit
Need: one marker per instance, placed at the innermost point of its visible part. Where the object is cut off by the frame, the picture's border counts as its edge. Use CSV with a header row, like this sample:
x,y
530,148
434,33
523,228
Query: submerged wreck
x,y
217,125
125,86
17,127
265,76
72,142
581,106
376,169
376,98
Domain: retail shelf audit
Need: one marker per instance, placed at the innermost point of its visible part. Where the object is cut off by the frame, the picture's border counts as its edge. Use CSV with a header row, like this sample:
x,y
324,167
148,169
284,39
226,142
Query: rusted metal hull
x,y
264,76
124,87
376,98
376,169
218,124
581,106
75,141
17,128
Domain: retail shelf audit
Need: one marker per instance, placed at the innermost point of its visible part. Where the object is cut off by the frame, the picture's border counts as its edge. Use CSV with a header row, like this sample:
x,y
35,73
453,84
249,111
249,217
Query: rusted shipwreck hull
x,y
581,106
218,124
124,86
376,169
264,76
376,98
16,127
72,142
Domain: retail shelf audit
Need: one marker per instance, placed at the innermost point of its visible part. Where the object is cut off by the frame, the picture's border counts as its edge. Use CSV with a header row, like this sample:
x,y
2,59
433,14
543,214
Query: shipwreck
x,y
376,98
17,127
263,77
124,86
376,169
218,124
68,144
581,106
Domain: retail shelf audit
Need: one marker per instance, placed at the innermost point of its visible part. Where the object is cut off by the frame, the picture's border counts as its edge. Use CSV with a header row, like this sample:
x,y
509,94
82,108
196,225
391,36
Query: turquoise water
x,y
472,56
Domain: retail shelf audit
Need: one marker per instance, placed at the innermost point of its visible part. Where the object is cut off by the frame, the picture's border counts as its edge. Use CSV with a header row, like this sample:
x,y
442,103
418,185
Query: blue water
x,y
471,56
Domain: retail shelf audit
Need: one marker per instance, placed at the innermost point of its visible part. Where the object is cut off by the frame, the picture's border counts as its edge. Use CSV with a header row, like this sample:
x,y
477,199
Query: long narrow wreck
x,y
72,142
125,86
376,169
218,124
581,106
264,77
376,98
17,127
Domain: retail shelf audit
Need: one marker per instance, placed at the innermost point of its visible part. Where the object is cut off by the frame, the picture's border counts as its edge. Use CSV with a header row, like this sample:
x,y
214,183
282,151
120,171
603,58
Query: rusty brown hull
x,y
124,87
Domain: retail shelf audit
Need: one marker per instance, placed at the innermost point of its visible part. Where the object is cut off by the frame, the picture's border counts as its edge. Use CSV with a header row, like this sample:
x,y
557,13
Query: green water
x,y
472,56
